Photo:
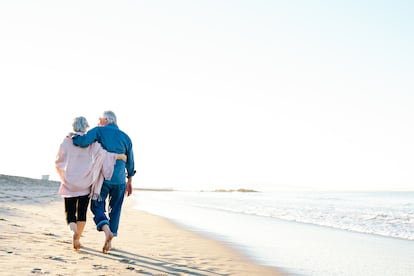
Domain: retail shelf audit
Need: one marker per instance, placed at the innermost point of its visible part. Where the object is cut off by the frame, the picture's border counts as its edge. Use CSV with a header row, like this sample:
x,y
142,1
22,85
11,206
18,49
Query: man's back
x,y
113,140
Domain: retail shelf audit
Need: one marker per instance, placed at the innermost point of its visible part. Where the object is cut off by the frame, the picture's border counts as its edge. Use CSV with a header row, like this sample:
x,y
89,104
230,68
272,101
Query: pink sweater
x,y
82,170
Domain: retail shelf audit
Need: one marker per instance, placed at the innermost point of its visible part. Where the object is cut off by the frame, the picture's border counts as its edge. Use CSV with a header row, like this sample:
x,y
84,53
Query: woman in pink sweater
x,y
82,171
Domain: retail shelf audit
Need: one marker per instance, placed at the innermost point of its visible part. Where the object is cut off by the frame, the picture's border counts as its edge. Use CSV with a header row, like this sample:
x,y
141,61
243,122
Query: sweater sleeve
x,y
108,164
86,139
60,161
103,168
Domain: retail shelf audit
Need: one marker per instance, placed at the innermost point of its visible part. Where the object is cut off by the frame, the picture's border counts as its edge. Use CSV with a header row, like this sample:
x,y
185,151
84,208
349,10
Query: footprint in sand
x,y
56,259
127,261
98,267
38,271
50,234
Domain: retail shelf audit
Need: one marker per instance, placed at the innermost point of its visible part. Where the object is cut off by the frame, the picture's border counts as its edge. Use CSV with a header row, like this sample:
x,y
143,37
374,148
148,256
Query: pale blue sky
x,y
217,94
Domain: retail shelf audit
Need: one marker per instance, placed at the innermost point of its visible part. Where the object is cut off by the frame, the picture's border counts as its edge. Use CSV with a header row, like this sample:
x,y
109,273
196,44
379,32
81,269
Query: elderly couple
x,y
95,166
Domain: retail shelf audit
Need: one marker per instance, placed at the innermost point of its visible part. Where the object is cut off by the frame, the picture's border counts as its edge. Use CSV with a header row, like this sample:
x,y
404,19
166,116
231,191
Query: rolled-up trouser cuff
x,y
100,224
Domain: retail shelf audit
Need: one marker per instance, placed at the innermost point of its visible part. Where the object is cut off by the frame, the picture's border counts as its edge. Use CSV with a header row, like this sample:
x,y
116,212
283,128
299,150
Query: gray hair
x,y
110,115
80,124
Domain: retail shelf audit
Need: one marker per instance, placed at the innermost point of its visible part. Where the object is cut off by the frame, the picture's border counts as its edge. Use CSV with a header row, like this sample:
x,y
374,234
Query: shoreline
x,y
297,247
36,240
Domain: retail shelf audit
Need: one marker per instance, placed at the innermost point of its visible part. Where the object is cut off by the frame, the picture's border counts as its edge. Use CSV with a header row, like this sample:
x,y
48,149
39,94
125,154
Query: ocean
x,y
301,232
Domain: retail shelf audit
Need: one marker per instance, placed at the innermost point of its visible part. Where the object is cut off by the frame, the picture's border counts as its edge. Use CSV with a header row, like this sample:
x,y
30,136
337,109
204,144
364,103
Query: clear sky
x,y
216,94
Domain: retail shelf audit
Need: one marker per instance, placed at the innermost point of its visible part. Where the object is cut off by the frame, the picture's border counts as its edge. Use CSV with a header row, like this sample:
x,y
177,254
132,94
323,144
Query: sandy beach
x,y
36,240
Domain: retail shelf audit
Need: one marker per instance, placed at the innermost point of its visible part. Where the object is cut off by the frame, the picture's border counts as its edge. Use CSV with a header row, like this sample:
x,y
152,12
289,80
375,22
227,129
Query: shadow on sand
x,y
148,265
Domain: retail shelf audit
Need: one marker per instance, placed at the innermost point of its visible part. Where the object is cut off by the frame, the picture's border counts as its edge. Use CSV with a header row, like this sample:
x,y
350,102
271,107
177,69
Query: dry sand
x,y
34,239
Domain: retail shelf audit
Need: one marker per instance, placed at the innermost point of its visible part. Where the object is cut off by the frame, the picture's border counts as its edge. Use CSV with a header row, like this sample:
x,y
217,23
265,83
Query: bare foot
x,y
75,241
107,245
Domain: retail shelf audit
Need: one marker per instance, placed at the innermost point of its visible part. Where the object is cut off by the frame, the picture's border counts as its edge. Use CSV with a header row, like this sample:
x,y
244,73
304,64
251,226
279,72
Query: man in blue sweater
x,y
114,140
